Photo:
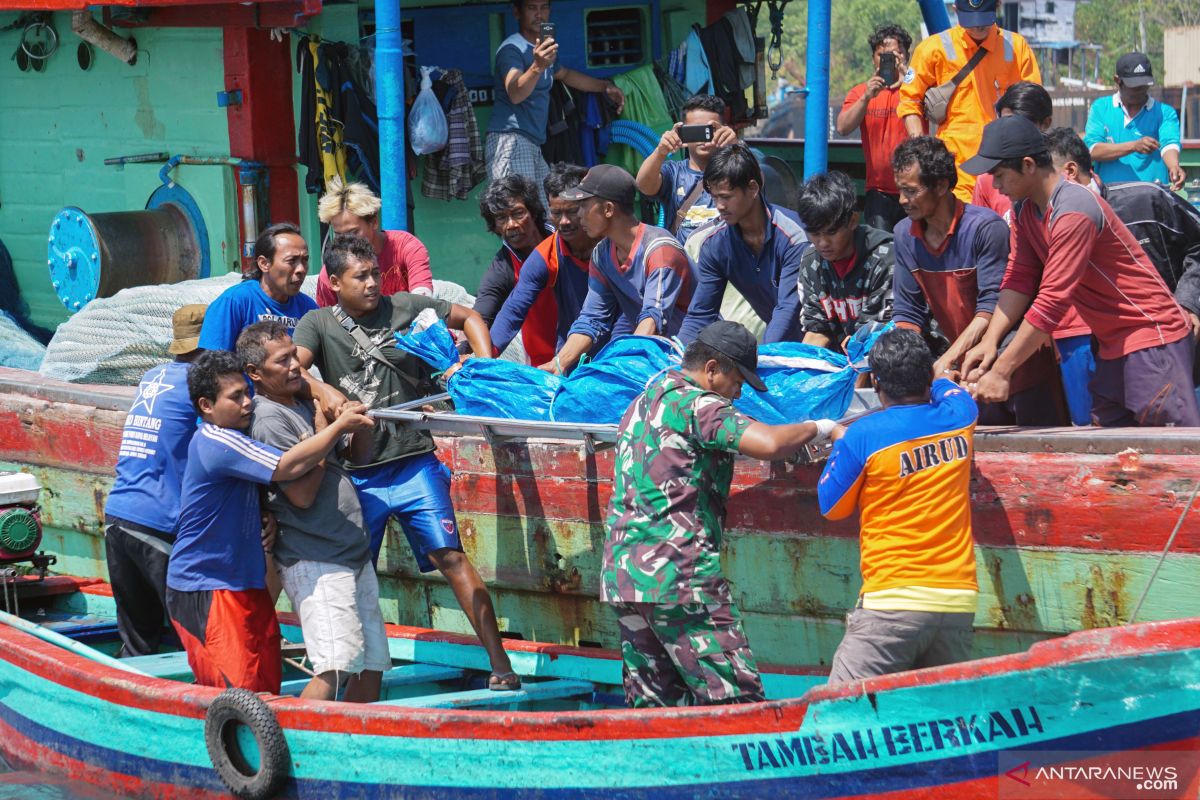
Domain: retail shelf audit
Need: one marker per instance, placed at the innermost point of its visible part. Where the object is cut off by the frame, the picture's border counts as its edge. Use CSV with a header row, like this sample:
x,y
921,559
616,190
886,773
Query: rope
x,y
775,48
1167,549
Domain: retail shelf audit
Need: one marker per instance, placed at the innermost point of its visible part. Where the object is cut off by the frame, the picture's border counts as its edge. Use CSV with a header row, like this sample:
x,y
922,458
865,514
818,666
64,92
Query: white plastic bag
x,y
427,129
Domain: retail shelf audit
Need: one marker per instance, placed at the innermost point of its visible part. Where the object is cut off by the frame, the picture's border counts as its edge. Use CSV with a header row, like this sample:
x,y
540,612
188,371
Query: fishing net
x,y
18,349
116,339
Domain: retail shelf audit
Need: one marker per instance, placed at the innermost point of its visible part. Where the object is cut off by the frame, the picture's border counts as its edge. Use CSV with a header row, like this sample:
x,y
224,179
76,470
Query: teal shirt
x,y
1108,124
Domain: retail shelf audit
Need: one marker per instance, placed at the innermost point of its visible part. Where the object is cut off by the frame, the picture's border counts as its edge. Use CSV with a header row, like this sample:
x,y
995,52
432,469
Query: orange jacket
x,y
937,59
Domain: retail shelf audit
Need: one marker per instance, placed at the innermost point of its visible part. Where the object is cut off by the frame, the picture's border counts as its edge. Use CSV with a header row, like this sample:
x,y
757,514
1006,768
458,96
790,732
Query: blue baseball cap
x,y
975,13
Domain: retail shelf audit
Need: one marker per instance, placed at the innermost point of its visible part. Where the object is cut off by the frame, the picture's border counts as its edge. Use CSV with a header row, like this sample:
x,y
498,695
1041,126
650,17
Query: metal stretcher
x,y
495,430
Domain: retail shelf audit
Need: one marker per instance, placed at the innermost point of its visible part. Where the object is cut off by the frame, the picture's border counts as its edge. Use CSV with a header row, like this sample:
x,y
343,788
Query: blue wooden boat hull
x,y
946,732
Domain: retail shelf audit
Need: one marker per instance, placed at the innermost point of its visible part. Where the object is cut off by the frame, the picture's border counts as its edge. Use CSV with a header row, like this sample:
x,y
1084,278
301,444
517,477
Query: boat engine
x,y
20,520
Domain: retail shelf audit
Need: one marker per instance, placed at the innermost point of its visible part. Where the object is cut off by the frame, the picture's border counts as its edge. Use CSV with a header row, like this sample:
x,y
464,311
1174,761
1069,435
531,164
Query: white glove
x,y
824,428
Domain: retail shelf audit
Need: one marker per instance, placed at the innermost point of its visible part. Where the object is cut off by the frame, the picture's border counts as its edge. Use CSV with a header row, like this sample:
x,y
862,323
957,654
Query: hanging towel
x,y
458,168
743,40
697,75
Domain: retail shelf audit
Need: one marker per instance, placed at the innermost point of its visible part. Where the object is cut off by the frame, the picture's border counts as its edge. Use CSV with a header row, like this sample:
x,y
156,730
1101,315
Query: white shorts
x,y
339,614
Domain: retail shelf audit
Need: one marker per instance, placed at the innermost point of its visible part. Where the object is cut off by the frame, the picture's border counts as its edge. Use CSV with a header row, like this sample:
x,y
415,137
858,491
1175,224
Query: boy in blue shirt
x,y
1131,136
271,292
143,506
678,186
216,578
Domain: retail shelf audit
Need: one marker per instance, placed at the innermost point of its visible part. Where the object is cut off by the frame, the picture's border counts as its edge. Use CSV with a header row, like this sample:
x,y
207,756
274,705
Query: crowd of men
x,y
1035,278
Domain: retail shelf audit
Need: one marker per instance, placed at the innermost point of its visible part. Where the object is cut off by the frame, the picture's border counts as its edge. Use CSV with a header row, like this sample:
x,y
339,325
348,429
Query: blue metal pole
x,y
389,99
936,18
816,103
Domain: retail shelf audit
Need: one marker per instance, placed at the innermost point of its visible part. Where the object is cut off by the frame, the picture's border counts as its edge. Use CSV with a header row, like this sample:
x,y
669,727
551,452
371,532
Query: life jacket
x,y
539,331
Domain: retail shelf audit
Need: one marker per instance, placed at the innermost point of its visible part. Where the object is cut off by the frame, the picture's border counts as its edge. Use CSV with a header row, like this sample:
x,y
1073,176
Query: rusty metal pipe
x,y
86,28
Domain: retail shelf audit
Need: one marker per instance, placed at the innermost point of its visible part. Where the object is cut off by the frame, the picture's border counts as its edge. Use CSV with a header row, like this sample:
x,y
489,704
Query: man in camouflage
x,y
682,640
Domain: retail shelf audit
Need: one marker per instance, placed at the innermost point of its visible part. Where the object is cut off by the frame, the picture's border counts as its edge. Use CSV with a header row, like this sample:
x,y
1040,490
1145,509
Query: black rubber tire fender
x,y
235,707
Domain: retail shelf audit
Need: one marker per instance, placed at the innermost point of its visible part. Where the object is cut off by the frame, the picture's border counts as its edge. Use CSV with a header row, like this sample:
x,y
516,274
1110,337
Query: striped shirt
x,y
218,539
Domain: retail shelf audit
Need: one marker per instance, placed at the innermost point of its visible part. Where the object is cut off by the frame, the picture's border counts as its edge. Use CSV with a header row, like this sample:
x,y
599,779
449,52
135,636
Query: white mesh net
x,y
18,349
116,339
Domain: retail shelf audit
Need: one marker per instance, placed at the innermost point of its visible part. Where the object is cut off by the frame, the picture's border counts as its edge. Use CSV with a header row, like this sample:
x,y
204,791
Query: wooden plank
x,y
476,698
172,666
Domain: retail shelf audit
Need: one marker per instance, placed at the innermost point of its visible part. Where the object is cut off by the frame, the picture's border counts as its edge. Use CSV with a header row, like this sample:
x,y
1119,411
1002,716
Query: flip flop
x,y
504,682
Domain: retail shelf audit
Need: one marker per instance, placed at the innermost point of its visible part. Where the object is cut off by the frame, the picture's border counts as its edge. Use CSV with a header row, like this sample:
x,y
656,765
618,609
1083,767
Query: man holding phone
x,y
678,186
526,67
870,108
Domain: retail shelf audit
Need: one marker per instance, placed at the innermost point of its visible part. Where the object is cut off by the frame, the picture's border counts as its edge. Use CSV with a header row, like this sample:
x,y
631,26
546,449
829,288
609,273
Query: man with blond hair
x,y
352,208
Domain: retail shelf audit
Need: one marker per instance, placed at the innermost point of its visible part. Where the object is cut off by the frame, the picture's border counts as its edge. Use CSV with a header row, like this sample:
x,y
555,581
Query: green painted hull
x,y
1069,530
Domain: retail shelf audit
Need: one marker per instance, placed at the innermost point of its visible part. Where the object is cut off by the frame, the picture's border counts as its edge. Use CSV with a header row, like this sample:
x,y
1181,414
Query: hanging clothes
x,y
674,92
459,167
594,133
322,150
723,58
644,103
743,40
562,127
697,76
339,130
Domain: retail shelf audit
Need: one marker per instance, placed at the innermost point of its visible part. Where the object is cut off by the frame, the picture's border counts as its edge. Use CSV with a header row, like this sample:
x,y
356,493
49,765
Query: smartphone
x,y
546,31
695,134
887,68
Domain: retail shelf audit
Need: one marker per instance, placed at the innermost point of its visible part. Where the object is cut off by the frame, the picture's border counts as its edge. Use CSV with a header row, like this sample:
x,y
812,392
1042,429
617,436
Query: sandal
x,y
504,682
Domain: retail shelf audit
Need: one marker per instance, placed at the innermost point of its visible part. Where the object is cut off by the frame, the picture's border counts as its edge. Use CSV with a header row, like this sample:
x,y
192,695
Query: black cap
x,y
975,13
606,181
733,340
1008,137
1134,70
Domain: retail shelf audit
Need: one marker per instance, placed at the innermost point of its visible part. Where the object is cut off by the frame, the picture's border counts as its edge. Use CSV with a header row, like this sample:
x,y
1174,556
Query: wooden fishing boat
x,y
1071,529
955,731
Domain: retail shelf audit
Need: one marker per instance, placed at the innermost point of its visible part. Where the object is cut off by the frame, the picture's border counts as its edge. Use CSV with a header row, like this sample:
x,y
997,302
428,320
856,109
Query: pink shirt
x,y
1079,252
403,267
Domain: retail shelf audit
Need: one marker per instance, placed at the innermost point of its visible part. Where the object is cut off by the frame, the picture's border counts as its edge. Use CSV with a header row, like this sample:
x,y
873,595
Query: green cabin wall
x,y
58,126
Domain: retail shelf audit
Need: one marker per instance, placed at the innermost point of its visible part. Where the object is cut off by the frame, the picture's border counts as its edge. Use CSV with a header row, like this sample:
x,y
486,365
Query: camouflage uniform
x,y
681,636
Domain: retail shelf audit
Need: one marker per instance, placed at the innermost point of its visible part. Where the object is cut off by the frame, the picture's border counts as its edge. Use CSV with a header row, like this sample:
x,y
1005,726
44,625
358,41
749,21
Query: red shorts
x,y
231,637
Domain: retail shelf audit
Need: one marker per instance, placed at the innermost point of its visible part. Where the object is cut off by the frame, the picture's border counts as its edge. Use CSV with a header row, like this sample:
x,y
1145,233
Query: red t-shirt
x,y
403,267
985,194
882,132
1079,251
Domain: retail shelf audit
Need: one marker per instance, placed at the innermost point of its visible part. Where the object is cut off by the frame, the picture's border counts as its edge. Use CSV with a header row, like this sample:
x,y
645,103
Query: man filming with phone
x,y
526,67
870,108
678,186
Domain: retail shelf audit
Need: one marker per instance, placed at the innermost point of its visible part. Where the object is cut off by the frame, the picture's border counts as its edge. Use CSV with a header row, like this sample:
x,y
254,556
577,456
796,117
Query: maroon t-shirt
x,y
1079,252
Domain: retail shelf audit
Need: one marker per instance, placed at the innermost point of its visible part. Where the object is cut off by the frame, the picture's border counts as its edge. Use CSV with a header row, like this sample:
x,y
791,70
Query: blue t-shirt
x,y
218,542
723,257
678,180
243,305
530,116
1107,124
154,448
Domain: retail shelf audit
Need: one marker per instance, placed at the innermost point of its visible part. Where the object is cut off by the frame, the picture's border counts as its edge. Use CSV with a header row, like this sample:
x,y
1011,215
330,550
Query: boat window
x,y
616,37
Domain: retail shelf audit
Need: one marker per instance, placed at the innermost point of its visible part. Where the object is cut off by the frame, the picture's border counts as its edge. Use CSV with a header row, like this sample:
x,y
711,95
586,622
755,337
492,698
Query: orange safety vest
x,y
936,60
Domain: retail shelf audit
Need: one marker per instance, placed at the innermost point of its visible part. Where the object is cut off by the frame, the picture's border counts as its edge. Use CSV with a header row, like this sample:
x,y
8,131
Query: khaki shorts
x,y
883,642
339,614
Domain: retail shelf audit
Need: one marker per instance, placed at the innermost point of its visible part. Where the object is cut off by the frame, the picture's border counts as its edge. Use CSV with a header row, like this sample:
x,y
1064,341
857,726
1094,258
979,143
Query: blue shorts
x,y
416,490
1078,365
